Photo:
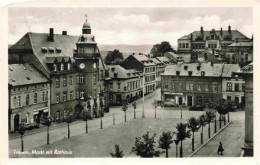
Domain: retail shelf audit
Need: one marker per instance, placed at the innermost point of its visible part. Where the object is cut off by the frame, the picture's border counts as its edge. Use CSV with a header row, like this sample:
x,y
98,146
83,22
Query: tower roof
x,y
86,25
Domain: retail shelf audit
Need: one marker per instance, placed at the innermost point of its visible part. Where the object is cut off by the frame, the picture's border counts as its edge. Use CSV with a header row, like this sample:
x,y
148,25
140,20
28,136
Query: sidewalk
x,y
232,138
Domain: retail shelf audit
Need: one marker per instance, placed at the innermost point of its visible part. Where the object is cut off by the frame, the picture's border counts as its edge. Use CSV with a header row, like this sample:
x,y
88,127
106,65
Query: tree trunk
x,y
134,114
125,116
22,142
113,119
228,117
155,114
166,152
215,130
48,137
68,130
181,150
224,119
219,121
192,141
201,135
176,151
86,125
209,130
101,123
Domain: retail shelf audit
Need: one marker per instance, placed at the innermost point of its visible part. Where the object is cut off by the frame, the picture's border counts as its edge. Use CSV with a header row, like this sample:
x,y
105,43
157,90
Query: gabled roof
x,y
24,74
225,33
156,61
241,44
122,72
39,41
248,69
209,70
144,60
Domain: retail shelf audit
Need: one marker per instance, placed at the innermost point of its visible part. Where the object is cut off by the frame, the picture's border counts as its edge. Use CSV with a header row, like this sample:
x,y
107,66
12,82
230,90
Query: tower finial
x,y
86,17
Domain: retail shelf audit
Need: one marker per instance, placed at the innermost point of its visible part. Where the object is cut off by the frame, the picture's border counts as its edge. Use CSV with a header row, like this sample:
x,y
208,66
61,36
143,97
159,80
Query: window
x,y
27,99
61,66
187,86
64,81
35,98
94,78
111,85
187,45
243,87
229,86
68,66
46,96
54,67
166,86
81,94
64,96
58,115
133,84
236,87
71,80
65,113
77,94
136,84
183,45
246,58
57,98
206,87
71,95
77,78
57,82
214,87
19,101
199,87
179,45
118,86
191,86
82,50
43,96
180,86
110,96
14,101
229,98
82,79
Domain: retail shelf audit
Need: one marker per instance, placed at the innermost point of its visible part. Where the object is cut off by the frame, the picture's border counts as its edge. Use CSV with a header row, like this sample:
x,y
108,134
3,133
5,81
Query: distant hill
x,y
127,48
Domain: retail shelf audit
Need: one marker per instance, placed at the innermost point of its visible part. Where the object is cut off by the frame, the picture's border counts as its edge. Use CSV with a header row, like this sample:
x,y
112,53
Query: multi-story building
x,y
73,65
240,52
29,95
213,40
194,83
145,65
159,70
247,73
125,86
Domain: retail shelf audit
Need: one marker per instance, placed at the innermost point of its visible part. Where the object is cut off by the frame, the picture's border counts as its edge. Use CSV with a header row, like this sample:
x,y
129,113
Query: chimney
x,y
64,33
201,29
51,36
229,29
221,31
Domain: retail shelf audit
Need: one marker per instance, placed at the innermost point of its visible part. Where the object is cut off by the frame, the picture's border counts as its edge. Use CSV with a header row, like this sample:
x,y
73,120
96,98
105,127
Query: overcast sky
x,y
133,26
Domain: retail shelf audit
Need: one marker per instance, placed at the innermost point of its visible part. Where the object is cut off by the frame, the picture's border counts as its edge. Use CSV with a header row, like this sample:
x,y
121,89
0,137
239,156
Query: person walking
x,y
220,148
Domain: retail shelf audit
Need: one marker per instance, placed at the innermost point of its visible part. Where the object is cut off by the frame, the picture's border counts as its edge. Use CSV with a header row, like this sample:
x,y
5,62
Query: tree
x,y
182,134
21,131
165,141
47,122
69,119
155,105
212,105
124,108
145,146
85,115
118,153
202,122
209,117
114,57
134,106
222,108
158,50
193,125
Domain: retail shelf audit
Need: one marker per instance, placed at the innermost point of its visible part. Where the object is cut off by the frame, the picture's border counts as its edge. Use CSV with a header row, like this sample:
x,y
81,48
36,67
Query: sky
x,y
133,26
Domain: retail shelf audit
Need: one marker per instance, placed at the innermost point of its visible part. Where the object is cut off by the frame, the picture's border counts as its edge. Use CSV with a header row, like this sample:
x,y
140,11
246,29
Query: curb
x,y
209,140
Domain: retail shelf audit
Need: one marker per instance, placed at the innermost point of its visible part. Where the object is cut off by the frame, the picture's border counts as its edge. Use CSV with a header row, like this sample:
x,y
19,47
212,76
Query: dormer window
x,y
198,67
115,75
202,73
177,73
186,67
113,69
54,67
51,49
68,65
58,49
212,36
82,39
190,73
44,49
61,66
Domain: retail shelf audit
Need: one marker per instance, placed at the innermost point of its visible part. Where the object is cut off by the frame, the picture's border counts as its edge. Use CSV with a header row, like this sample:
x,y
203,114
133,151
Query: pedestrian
x,y
220,148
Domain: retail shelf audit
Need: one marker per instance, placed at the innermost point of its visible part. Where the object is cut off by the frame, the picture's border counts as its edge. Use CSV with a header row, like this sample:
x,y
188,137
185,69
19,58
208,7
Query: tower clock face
x,y
94,65
81,65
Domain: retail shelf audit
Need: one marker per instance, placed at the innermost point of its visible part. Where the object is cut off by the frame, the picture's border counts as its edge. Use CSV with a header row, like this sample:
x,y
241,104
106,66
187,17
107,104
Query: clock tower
x,y
86,57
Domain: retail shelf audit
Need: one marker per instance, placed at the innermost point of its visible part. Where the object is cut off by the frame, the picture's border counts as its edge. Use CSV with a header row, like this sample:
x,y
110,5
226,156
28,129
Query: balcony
x,y
86,55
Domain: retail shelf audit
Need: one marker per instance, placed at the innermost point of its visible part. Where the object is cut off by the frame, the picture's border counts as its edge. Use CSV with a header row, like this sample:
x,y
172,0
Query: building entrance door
x,y
16,122
119,100
189,100
237,100
180,100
